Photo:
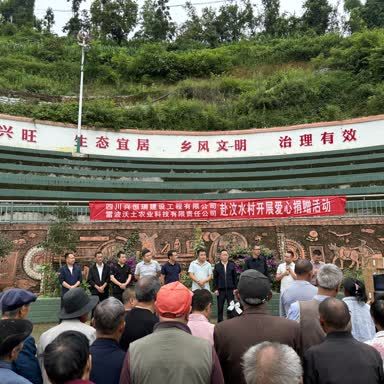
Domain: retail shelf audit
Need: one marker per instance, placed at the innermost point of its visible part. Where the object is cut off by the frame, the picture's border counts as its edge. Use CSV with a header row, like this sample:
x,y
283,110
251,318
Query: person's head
x,y
329,278
303,269
77,305
108,318
256,251
377,313
172,256
146,255
355,288
15,303
334,315
129,298
201,255
13,332
272,363
202,302
67,358
99,257
317,256
146,289
70,258
121,257
254,288
224,256
173,302
289,256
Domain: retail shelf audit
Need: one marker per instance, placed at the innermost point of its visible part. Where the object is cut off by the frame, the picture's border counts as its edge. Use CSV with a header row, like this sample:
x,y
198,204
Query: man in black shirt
x,y
120,276
257,261
170,271
224,282
340,359
140,320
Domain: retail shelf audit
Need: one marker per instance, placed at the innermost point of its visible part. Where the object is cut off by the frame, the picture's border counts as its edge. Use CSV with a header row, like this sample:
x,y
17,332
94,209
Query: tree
x,y
233,21
61,236
18,12
373,13
356,22
156,24
114,19
49,20
316,16
74,24
271,16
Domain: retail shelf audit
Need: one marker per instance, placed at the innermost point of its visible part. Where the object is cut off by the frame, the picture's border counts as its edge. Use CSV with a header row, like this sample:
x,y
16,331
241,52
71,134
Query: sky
x,y
62,9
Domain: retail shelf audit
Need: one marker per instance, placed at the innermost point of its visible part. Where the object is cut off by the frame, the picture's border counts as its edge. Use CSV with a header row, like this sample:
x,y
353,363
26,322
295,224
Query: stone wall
x,y
349,242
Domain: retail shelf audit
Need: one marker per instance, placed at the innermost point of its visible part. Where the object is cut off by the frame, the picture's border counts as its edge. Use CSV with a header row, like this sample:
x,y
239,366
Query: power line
x,y
170,6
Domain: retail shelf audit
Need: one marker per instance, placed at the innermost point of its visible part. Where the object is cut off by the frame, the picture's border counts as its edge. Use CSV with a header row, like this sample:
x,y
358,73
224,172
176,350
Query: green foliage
x,y
61,236
156,24
198,242
50,284
373,13
133,244
113,19
316,16
185,279
18,12
6,246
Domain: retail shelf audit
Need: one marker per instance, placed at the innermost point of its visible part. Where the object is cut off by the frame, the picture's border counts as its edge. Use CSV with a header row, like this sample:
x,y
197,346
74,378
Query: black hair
x,y
355,288
67,254
377,311
170,253
200,299
96,253
317,252
335,313
66,357
303,266
120,253
144,252
200,250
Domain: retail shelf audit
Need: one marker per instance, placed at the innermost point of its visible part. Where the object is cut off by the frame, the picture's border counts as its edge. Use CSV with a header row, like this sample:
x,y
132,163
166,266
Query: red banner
x,y
240,209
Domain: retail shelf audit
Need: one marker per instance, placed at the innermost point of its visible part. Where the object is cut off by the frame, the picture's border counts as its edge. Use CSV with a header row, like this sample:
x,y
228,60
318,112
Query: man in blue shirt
x,y
170,271
12,334
14,304
69,274
107,355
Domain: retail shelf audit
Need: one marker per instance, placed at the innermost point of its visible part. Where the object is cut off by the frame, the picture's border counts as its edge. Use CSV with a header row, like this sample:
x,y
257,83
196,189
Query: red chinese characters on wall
x,y
217,209
326,138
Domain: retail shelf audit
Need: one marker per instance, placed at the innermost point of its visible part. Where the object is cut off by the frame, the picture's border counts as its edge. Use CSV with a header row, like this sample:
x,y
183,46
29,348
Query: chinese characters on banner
x,y
239,209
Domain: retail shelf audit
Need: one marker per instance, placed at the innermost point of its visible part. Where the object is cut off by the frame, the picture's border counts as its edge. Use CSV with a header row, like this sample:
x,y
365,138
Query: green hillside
x,y
258,82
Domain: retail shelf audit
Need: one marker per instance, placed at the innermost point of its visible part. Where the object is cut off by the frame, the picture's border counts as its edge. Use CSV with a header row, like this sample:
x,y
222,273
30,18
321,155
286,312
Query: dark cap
x,y
15,298
254,287
12,333
77,303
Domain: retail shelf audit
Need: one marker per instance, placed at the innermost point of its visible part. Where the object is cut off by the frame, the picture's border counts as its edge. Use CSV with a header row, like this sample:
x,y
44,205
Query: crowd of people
x,y
159,331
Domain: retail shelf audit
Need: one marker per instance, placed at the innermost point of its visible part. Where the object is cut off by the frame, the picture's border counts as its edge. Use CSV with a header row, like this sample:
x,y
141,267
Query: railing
x,y
30,211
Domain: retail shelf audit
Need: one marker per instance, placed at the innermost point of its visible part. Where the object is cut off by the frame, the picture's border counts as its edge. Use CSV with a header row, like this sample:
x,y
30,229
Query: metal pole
x,y
80,100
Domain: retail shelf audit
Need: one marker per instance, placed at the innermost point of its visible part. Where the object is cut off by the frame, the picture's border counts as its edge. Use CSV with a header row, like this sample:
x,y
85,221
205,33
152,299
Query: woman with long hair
x,y
356,299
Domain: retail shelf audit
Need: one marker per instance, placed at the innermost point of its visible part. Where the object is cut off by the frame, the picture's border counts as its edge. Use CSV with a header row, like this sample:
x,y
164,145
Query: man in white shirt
x,y
200,271
286,275
74,314
147,267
